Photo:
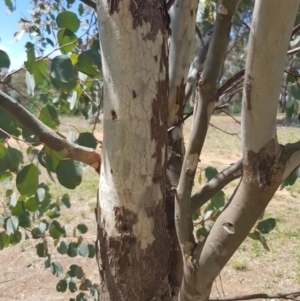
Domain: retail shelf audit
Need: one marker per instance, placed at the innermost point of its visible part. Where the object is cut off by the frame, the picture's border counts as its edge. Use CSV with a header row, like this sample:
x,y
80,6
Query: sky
x,y
9,26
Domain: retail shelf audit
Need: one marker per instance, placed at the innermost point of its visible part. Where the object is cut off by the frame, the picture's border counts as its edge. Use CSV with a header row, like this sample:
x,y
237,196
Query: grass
x,y
239,264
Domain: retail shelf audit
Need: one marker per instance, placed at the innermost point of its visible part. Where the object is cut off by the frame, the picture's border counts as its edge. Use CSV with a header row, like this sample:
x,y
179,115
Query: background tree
x,y
146,206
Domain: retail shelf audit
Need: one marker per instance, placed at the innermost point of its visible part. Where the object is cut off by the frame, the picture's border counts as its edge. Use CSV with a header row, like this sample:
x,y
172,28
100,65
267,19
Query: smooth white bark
x,y
270,33
131,70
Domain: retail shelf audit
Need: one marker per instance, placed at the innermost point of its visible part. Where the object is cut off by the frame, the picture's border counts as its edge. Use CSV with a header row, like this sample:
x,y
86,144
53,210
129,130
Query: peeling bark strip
x,y
149,11
248,88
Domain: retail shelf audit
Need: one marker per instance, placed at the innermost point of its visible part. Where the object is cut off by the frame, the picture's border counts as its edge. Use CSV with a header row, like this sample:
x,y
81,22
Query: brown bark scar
x,y
248,89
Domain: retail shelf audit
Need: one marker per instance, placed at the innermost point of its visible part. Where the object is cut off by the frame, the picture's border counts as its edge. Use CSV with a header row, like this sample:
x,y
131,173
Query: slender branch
x,y
217,183
295,30
231,81
89,3
225,132
293,51
288,296
49,137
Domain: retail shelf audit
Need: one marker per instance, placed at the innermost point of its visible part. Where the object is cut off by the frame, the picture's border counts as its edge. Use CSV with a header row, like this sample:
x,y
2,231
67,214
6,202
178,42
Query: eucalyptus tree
x,y
146,248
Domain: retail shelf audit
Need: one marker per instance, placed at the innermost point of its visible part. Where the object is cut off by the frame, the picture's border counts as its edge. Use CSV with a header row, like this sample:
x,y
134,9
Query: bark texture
x,y
132,226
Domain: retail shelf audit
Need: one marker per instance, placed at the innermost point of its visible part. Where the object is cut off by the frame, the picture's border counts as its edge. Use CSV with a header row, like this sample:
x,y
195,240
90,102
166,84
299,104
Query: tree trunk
x,y
132,226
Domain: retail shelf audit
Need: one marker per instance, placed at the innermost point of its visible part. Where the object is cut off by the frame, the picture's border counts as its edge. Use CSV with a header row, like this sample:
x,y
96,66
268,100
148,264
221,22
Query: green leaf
x,y
89,63
82,297
48,262
295,90
32,154
72,287
68,20
80,9
73,249
4,240
56,269
18,209
61,286
39,230
201,232
263,241
218,200
11,224
32,204
69,173
40,194
87,139
24,219
210,172
91,250
63,73
289,180
14,159
42,249
66,36
196,214
71,137
9,5
65,201
72,270
79,272
4,62
83,250
15,238
49,116
266,225
3,151
8,124
82,228
62,247
6,178
55,229
27,180
37,68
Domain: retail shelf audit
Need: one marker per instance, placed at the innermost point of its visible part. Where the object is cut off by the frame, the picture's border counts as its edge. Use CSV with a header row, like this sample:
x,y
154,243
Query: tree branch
x,y
49,137
89,3
295,30
288,296
217,183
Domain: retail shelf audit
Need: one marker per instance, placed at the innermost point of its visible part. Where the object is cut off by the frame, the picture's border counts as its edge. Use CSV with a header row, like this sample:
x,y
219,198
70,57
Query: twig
x,y
7,280
231,117
217,128
231,81
295,30
287,296
293,51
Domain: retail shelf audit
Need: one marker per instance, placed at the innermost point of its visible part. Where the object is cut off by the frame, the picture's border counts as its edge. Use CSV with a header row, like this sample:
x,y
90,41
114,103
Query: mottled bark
x,y
132,226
